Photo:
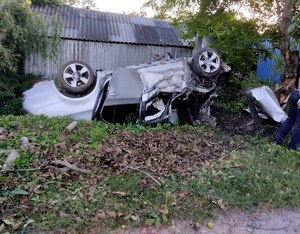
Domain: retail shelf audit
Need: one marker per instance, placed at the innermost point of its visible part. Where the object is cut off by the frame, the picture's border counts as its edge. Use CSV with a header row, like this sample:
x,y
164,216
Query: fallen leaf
x,y
100,215
63,214
8,222
221,204
80,194
29,221
121,214
183,195
121,194
37,190
135,218
16,225
111,214
2,227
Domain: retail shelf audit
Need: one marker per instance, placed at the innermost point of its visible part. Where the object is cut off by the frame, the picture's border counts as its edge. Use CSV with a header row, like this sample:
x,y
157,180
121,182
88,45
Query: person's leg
x,y
287,125
296,133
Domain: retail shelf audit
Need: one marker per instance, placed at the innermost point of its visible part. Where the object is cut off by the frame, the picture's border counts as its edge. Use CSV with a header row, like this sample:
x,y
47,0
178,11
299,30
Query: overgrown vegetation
x,y
23,32
12,85
192,172
230,90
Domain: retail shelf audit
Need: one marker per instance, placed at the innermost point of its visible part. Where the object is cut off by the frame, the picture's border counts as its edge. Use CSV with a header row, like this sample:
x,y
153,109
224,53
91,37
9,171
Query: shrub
x,y
12,85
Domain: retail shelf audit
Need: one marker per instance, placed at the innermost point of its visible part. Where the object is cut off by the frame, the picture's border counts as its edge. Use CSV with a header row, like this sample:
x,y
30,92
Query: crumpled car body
x,y
162,91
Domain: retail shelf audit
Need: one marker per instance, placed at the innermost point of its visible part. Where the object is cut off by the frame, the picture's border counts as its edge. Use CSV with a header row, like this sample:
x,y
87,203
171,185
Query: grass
x,y
260,174
268,176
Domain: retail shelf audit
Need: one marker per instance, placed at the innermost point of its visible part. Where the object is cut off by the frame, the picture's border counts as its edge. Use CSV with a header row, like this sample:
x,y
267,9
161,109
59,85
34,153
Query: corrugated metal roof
x,y
91,25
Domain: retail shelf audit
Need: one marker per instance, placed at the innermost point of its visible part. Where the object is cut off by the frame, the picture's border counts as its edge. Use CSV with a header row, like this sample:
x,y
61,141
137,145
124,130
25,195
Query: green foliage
x,y
47,2
237,41
23,32
295,23
267,175
231,91
12,85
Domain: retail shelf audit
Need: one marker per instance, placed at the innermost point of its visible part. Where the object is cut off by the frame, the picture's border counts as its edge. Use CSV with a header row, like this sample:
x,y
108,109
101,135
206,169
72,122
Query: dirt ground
x,y
282,221
242,123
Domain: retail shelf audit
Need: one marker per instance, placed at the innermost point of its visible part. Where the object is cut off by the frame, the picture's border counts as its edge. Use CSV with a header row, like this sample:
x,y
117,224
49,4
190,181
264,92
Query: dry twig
x,y
70,166
137,169
20,170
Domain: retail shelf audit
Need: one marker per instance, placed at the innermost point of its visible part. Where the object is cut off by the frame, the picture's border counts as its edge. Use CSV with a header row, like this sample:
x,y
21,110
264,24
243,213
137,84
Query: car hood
x,y
41,95
44,98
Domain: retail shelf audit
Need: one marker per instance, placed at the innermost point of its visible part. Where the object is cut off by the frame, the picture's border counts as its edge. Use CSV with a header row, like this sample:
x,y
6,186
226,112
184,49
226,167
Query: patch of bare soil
x,y
282,221
242,123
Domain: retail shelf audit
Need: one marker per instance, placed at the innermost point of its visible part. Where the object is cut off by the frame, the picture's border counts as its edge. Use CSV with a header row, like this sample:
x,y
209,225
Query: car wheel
x,y
206,63
76,77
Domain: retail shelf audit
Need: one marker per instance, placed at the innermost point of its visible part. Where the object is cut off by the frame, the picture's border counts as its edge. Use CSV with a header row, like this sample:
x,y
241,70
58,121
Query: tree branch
x,y
137,169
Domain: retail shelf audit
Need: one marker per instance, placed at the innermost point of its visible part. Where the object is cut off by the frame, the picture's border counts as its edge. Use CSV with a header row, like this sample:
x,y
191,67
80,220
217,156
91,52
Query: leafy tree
x,y
237,40
89,4
23,32
274,20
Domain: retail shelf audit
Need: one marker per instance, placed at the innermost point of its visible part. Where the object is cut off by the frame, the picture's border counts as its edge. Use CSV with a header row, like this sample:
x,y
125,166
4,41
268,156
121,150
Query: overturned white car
x,y
174,90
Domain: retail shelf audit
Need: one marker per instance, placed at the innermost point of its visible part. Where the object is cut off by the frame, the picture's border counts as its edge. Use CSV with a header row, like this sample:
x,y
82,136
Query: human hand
x,y
298,104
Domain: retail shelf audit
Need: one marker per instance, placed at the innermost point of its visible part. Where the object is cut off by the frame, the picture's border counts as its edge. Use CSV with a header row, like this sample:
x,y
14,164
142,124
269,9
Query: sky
x,y
122,6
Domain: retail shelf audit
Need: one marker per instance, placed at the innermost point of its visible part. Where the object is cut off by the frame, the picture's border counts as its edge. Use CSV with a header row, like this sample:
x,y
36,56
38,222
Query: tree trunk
x,y
290,58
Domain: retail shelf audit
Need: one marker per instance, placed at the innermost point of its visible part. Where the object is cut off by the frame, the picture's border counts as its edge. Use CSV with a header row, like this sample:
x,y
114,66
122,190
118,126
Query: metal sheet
x,y
99,56
84,24
125,87
265,96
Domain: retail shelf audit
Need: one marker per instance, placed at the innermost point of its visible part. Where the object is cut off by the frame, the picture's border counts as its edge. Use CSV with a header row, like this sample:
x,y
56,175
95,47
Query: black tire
x,y
76,77
206,63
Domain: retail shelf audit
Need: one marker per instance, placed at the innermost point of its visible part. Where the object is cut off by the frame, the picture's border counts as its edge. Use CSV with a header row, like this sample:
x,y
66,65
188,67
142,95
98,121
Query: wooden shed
x,y
106,40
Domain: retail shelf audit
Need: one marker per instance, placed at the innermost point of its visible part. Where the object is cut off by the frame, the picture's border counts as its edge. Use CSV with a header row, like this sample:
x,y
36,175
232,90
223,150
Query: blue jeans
x,y
293,120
